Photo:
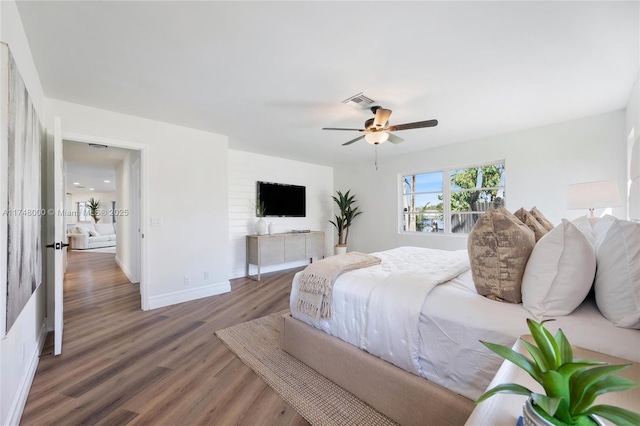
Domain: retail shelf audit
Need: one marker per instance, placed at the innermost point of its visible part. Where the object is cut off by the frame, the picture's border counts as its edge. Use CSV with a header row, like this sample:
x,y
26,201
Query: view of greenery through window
x,y
432,204
83,212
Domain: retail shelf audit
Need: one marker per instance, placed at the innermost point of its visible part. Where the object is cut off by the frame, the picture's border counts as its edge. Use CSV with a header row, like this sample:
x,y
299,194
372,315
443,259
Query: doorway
x,y
56,189
109,176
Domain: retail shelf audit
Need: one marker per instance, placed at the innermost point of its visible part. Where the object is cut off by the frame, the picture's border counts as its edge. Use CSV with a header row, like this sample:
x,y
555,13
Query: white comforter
x,y
452,320
404,278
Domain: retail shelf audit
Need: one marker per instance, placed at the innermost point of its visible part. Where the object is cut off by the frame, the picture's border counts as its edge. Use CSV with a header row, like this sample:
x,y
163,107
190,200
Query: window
x,y
83,212
422,197
431,203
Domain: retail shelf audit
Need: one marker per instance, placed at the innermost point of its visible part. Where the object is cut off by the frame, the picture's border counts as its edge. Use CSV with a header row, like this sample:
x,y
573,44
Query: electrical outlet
x,y
206,275
186,281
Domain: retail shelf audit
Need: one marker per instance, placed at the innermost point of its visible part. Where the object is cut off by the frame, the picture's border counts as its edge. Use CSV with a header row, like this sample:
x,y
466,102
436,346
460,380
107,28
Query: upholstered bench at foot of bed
x,y
401,396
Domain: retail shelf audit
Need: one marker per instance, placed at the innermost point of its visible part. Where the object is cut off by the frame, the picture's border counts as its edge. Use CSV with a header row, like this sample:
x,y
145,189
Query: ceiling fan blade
x,y
340,128
416,125
395,139
353,140
382,116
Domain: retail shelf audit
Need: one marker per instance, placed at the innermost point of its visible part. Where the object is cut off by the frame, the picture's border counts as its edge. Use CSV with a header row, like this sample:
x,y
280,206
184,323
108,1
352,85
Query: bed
x,y
424,364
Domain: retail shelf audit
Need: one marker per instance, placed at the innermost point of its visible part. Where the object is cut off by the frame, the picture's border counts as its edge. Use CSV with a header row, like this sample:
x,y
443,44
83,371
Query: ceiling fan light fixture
x,y
376,138
377,130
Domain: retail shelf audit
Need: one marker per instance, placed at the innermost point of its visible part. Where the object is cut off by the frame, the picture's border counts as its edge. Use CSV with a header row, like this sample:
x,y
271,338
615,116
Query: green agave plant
x,y
571,384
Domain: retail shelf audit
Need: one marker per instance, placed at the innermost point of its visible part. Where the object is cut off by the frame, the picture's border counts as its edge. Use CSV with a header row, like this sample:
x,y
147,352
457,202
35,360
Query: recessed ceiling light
x,y
76,183
107,181
90,189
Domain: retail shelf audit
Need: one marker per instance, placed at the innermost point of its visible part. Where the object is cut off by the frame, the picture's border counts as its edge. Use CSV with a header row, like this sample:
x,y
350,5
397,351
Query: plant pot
x,y
530,416
340,249
261,227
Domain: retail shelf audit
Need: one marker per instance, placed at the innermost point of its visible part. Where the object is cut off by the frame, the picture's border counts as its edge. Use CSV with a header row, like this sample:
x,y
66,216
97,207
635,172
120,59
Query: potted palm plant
x,y
571,384
342,223
94,208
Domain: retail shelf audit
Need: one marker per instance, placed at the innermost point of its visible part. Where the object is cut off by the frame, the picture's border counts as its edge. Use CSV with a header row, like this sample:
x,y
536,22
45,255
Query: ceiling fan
x,y
377,130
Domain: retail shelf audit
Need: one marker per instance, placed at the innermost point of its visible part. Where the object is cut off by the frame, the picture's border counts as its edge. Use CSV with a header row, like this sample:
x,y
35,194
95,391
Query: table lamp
x,y
593,195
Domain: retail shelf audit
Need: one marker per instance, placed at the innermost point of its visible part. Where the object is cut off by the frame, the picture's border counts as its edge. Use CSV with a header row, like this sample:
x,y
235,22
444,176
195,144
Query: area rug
x,y
314,397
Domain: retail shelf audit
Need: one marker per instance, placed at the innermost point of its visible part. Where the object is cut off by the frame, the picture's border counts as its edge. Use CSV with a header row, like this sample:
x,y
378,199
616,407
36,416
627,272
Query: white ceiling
x,y
90,167
270,75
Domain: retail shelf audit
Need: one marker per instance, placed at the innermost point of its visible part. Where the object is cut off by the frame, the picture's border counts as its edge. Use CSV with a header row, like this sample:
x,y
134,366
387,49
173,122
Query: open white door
x,y
58,244
135,215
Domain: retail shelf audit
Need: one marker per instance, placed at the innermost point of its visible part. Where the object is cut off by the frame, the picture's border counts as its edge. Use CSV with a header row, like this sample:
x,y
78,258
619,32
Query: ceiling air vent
x,y
358,101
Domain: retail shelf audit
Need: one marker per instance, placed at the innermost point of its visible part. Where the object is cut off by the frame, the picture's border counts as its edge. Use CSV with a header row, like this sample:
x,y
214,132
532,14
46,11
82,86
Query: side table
x,y
504,409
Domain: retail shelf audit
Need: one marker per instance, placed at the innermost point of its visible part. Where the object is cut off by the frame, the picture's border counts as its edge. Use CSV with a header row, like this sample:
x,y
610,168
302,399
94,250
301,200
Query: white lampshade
x,y
375,138
593,195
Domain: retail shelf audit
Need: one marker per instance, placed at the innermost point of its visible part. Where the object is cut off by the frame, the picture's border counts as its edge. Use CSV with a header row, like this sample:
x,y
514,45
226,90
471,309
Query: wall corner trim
x,y
124,269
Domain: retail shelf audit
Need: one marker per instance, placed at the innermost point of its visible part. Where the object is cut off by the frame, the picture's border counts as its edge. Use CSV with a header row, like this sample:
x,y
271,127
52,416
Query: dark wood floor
x,y
120,365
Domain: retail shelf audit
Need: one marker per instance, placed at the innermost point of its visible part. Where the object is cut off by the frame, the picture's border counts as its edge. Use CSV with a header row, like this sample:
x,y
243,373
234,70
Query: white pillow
x,y
617,284
601,227
94,233
559,273
82,230
583,224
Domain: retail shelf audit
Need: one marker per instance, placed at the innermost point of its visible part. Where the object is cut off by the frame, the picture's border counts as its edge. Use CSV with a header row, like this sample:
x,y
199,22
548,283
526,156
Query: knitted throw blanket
x,y
315,283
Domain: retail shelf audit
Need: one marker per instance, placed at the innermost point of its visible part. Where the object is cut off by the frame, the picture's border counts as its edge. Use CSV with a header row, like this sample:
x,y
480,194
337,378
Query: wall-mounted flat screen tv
x,y
282,200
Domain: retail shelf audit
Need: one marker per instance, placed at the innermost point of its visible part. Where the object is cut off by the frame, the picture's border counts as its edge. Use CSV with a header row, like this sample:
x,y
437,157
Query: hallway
x,y
120,365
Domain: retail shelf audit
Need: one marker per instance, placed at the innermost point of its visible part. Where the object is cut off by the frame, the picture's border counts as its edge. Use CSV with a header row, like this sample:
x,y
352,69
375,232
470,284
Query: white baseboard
x,y
187,295
124,269
239,273
20,400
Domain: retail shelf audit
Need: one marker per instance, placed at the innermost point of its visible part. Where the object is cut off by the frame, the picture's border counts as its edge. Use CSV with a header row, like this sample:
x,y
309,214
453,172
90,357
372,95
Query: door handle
x,y
57,246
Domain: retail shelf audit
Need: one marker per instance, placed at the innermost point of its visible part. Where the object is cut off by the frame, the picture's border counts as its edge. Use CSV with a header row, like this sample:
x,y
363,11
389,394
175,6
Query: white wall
x,y
633,109
20,348
245,169
105,198
540,164
184,187
633,155
125,225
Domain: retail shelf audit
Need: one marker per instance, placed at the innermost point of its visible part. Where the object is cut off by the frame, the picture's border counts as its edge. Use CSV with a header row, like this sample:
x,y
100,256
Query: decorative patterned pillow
x,y
499,248
559,273
531,222
541,219
617,284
